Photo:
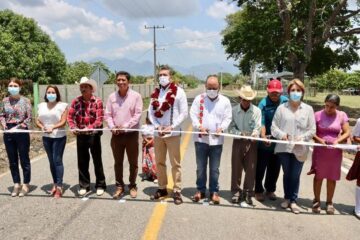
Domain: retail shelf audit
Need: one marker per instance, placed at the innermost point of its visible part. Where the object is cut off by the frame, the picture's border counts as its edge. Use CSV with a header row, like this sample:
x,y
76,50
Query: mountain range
x,y
146,68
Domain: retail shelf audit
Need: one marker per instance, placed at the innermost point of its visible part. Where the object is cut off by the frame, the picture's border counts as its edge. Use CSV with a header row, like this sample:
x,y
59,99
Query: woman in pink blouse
x,y
332,127
15,114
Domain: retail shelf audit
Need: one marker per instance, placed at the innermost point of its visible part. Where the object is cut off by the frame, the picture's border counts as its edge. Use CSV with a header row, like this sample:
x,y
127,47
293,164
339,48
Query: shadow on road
x,y
304,204
31,188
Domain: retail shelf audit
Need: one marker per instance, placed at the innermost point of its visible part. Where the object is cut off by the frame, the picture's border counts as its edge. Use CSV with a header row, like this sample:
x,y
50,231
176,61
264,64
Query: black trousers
x,y
269,162
84,144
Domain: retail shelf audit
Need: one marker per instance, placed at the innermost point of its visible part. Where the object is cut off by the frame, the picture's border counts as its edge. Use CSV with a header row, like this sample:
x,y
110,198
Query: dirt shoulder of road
x,y
36,149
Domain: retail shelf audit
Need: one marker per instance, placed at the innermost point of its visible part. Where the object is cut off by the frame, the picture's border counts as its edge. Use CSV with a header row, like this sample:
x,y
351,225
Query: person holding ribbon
x,y
122,113
210,114
354,171
267,161
16,115
51,119
246,121
167,110
332,127
293,121
85,116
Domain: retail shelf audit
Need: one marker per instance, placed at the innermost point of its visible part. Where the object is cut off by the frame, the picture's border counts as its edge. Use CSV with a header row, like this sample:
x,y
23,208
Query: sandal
x,y
198,196
294,208
316,207
330,208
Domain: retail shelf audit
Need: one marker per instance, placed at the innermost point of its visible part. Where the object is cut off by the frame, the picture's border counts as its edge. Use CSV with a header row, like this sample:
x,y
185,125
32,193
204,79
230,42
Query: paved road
x,y
38,216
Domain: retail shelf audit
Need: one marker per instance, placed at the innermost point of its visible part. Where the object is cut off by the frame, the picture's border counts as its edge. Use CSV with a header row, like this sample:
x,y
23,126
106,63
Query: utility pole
x,y
154,31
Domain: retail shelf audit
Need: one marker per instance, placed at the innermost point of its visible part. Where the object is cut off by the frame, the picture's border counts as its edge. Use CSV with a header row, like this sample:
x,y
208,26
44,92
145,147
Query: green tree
x,y
331,80
27,52
191,81
293,35
138,79
76,70
227,78
352,80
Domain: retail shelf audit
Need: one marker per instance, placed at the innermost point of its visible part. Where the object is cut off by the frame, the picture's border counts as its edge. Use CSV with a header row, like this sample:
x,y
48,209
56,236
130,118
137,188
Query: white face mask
x,y
164,80
212,94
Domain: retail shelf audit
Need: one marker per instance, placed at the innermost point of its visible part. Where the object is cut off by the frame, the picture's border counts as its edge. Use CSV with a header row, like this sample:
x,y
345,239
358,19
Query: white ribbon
x,y
127,130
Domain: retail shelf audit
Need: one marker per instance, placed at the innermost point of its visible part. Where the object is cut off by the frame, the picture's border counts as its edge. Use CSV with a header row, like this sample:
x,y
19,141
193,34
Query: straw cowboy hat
x,y
247,93
91,82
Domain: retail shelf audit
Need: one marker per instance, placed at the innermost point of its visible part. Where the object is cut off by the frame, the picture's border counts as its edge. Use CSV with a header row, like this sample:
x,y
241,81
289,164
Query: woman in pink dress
x,y
332,127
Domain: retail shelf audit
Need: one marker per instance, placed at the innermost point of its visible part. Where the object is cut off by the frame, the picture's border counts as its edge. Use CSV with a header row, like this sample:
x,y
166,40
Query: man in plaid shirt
x,y
86,113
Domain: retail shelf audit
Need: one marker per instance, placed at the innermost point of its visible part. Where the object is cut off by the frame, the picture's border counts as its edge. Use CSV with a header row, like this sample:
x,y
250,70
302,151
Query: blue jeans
x,y
292,171
203,153
54,148
17,146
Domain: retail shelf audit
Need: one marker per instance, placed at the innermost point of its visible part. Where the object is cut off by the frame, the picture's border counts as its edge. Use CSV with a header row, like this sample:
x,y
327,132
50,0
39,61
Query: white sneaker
x,y
285,204
100,191
82,192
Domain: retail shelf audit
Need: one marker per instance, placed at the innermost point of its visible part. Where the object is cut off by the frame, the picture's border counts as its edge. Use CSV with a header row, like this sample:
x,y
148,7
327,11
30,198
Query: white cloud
x,y
153,8
65,33
47,30
142,29
196,40
69,21
116,53
219,10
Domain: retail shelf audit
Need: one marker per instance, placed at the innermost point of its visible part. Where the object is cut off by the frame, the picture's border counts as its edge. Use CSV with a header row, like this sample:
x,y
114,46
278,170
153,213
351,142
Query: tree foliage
x,y
27,52
190,80
337,80
76,70
294,35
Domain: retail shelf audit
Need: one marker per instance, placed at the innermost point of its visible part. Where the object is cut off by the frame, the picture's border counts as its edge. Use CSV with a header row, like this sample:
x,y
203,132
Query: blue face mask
x,y
51,97
295,96
13,91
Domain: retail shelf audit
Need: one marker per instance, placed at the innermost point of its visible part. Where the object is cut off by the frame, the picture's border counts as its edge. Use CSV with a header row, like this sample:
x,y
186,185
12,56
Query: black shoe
x,y
236,198
159,194
248,198
177,198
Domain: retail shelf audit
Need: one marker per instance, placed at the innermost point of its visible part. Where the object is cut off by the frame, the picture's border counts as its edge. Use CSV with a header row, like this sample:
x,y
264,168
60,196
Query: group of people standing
x,y
211,113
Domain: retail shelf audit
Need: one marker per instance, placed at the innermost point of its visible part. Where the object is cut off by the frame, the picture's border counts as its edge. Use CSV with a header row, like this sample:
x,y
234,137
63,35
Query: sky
x,y
113,29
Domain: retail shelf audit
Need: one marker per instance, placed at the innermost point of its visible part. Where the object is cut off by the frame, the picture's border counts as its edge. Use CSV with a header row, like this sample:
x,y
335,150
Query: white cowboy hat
x,y
91,82
247,93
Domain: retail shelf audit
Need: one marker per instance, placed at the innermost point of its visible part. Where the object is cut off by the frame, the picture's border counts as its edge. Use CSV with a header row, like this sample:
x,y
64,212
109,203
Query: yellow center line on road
x,y
153,227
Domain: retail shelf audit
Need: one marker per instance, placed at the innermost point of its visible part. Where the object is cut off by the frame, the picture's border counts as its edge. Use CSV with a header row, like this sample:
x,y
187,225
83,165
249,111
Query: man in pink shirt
x,y
123,112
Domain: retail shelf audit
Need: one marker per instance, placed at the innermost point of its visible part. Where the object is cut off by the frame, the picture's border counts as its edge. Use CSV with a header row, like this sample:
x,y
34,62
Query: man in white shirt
x,y
167,110
210,114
